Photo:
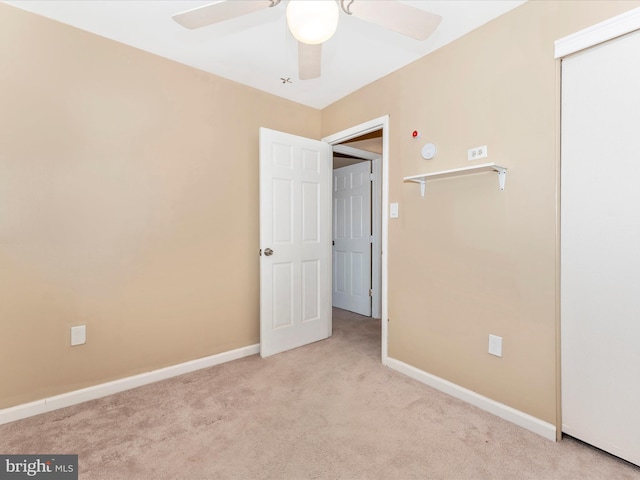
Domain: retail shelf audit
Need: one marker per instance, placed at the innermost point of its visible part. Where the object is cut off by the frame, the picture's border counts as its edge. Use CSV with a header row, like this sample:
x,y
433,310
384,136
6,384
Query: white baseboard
x,y
501,410
44,405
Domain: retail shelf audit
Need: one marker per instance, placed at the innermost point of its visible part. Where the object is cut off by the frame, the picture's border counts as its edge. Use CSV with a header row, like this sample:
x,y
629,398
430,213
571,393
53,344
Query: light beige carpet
x,y
329,410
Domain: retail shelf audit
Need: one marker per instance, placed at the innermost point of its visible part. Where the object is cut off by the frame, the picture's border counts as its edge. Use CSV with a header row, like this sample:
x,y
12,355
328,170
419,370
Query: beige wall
x,y
128,202
469,260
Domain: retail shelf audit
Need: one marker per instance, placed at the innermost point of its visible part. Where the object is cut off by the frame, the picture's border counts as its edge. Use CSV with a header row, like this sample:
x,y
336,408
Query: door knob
x,y
268,252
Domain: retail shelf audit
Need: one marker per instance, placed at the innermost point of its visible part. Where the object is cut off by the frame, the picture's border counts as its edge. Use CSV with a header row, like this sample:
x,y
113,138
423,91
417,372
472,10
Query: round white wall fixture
x,y
429,151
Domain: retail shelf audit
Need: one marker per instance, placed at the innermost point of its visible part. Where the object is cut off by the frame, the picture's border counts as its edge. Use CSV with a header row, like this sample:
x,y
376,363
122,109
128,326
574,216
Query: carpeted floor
x,y
329,410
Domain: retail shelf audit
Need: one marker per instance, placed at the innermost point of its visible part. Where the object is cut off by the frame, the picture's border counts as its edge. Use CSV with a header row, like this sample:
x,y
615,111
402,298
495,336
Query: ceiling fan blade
x,y
309,60
396,16
220,11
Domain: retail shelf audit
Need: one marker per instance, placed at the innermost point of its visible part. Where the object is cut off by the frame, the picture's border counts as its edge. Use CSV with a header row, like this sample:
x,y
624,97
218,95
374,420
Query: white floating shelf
x,y
456,172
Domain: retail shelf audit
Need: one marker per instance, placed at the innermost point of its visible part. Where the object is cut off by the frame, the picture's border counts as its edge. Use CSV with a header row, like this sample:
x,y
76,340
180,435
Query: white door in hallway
x,y
600,252
295,241
352,237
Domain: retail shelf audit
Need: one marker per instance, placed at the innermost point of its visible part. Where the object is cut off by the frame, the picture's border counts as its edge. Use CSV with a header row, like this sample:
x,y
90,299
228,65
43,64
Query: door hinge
x,y
370,238
371,292
371,177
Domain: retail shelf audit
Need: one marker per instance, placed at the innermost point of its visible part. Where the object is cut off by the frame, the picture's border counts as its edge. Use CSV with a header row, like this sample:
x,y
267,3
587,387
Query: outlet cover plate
x,y
78,335
495,345
477,153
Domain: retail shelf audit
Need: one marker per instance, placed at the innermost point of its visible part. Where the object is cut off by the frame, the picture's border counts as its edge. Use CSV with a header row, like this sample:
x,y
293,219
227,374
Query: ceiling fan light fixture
x,y
312,21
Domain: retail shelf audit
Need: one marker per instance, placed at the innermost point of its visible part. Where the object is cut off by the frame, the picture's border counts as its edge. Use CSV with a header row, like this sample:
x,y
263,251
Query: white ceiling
x,y
257,49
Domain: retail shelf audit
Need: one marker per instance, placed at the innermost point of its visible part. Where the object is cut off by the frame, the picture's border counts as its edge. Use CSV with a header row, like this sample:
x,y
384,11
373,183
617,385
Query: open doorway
x,y
356,222
369,141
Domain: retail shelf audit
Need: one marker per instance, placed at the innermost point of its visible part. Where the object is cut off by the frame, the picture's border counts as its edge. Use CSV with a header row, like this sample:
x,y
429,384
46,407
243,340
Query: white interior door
x,y
353,237
295,241
600,247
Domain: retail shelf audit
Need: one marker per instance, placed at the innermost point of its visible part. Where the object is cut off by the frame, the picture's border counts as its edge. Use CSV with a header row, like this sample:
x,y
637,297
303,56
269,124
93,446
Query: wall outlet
x,y
78,335
495,345
477,153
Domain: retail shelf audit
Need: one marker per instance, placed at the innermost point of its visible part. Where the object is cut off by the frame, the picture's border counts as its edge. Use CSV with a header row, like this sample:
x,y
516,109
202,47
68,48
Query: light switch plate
x,y
393,210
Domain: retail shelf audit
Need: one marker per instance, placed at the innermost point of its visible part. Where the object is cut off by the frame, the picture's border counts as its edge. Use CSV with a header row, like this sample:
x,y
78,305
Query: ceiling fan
x,y
313,22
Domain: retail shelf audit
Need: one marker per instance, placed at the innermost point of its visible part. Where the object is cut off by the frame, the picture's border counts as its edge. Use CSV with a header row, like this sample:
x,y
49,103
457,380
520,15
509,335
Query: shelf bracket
x,y
423,184
502,177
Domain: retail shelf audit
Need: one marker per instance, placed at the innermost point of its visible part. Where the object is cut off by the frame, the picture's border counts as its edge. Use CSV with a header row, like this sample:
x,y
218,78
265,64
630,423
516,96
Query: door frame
x,y
380,123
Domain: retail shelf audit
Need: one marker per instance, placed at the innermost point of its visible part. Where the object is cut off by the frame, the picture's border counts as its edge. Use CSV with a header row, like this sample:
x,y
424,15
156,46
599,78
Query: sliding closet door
x,y
600,252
